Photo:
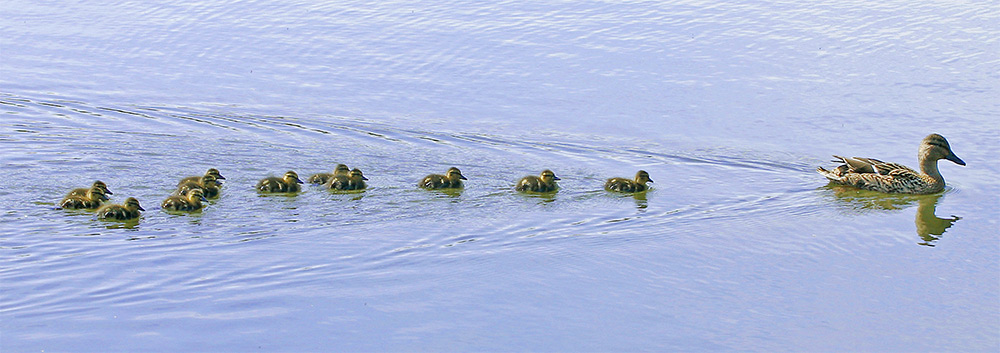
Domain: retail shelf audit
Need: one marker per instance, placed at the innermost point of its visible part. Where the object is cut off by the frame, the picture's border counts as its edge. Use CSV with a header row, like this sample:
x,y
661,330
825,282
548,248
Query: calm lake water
x,y
739,246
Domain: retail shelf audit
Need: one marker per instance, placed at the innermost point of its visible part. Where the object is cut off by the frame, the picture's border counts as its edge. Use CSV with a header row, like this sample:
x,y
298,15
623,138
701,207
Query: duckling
x,y
354,181
629,185
208,185
93,199
451,180
211,171
876,175
323,178
546,182
190,201
97,184
289,183
126,211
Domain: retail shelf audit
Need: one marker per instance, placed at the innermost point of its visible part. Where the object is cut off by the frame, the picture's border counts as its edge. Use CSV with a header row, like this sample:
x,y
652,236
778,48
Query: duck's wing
x,y
884,168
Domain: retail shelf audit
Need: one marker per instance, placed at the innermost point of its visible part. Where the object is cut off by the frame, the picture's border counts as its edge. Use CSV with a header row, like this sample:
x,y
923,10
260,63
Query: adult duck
x,y
876,175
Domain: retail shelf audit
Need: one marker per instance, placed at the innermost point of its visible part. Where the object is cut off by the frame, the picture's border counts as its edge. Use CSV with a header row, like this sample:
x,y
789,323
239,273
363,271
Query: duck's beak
x,y
220,177
106,191
297,180
462,177
952,157
141,209
105,197
363,178
555,178
203,198
649,180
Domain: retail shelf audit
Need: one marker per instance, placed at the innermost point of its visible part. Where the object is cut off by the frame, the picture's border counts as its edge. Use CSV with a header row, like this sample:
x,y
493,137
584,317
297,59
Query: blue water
x,y
739,246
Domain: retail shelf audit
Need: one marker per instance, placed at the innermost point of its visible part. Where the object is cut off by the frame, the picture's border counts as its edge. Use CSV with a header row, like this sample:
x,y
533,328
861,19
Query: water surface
x,y
740,245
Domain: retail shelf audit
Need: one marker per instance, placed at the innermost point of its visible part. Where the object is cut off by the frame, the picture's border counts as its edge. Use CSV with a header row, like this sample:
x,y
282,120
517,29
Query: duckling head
x,y
98,193
935,147
292,177
341,169
454,173
215,173
356,173
132,203
209,179
642,177
196,194
102,186
548,176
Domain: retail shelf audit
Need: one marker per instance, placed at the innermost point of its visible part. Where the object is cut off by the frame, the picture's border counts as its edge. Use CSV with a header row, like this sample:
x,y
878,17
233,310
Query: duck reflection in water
x,y
928,225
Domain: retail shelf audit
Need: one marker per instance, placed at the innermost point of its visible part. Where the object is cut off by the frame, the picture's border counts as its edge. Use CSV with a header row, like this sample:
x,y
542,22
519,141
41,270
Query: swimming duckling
x,y
629,185
93,199
354,181
128,210
323,178
546,182
289,183
876,175
208,185
451,180
190,201
211,171
97,184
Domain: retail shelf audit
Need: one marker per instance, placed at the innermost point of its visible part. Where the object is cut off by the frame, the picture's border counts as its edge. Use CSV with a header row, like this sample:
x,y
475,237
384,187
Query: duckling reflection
x,y
211,171
451,180
629,185
288,183
354,181
545,182
323,178
207,184
126,211
91,200
190,201
97,184
928,225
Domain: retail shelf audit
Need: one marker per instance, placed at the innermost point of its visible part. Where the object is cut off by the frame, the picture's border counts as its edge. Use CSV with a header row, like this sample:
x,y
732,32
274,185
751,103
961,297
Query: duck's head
x,y
936,147
209,179
548,176
215,173
196,194
97,193
356,173
292,177
454,173
103,186
642,177
132,203
341,169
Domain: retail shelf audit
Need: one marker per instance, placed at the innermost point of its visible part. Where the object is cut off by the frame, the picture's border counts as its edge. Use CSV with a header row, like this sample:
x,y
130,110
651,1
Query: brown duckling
x,y
211,171
92,199
451,180
208,185
545,182
289,183
354,181
629,185
191,201
323,178
126,211
97,184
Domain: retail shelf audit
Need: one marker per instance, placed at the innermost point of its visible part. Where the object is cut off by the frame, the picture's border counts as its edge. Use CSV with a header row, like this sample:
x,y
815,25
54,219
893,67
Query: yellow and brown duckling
x,y
288,183
451,180
97,184
190,201
629,185
92,199
211,171
354,181
323,178
876,175
545,182
126,211
207,183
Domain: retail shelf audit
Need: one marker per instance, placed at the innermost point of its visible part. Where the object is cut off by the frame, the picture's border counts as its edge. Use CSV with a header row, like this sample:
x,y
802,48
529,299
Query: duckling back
x,y
629,185
354,181
323,178
126,211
